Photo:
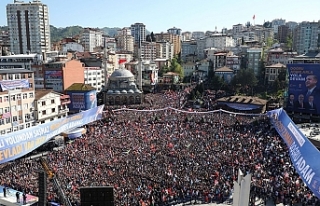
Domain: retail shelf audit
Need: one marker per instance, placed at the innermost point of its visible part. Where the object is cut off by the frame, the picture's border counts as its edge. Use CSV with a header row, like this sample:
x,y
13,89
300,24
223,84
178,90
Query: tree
x,y
176,68
289,42
245,79
150,37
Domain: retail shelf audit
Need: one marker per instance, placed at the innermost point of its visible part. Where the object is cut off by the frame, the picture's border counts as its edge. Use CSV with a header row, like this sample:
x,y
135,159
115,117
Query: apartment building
x,y
94,73
165,50
254,59
172,38
61,74
91,38
16,100
29,27
50,105
138,31
125,40
305,37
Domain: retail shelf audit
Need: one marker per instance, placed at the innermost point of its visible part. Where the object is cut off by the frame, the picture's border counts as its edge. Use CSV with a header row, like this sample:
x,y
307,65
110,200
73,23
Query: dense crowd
x,y
162,157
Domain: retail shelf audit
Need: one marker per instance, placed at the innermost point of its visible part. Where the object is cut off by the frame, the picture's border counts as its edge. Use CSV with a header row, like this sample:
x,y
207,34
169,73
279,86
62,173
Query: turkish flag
x,y
122,61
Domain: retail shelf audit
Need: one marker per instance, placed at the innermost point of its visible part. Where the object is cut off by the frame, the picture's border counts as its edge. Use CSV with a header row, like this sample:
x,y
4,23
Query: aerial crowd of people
x,y
164,156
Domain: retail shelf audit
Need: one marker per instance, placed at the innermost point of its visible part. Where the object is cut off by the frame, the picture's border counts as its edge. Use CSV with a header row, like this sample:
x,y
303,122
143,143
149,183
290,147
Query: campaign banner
x,y
17,144
304,88
77,101
304,155
13,84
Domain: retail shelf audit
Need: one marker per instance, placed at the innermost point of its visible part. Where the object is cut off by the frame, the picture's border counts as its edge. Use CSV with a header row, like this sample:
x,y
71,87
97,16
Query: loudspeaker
x,y
97,196
42,183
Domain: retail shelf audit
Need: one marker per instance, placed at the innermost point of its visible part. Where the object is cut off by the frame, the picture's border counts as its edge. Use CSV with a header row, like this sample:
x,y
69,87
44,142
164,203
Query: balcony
x,y
65,99
62,111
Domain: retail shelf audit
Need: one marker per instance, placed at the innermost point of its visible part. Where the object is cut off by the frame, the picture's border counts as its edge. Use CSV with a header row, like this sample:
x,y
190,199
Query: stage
x,y
11,200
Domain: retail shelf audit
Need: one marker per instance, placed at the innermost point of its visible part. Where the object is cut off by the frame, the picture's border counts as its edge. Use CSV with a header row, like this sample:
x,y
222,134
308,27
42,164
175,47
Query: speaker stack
x,y
97,196
42,182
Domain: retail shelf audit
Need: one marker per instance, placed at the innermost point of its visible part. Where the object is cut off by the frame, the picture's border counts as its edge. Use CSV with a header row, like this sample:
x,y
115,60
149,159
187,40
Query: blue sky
x,y
160,15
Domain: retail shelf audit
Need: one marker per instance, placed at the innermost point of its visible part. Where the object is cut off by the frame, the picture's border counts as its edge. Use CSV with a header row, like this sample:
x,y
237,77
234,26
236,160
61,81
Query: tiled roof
x,y
80,87
243,99
39,93
224,69
277,65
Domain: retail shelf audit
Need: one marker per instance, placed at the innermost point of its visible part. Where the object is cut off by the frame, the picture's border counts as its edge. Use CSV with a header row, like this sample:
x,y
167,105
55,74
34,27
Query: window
x,y
19,107
1,121
0,99
3,131
14,118
18,96
30,85
29,75
21,127
31,95
27,125
6,98
53,110
10,76
52,101
6,109
44,112
25,96
13,97
8,120
17,76
13,108
43,103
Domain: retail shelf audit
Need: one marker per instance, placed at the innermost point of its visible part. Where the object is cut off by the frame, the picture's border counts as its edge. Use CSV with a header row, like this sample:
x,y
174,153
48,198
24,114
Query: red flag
x,y
254,17
122,61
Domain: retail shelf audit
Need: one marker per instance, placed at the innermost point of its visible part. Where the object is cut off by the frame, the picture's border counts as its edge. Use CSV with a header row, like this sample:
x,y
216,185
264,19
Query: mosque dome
x,y
121,73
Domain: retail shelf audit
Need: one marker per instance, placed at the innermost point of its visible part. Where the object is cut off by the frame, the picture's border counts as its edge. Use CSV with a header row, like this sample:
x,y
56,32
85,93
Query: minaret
x,y
140,65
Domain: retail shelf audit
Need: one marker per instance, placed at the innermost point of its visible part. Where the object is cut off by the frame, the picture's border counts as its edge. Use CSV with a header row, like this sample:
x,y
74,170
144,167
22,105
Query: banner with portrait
x,y
304,88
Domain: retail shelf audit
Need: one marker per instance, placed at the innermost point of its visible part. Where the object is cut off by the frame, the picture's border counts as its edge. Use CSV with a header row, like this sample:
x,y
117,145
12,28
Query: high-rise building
x,y
138,31
29,27
305,37
125,40
175,31
91,38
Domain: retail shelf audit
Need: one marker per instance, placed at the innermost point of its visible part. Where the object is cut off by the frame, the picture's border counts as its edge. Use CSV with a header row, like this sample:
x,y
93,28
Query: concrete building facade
x,y
29,27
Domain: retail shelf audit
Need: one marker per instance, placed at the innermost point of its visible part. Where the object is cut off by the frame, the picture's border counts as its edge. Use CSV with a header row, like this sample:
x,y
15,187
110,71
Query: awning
x,y
74,133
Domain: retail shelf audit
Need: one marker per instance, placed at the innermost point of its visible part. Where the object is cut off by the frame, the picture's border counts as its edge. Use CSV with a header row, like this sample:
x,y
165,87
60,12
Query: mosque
x,y
122,89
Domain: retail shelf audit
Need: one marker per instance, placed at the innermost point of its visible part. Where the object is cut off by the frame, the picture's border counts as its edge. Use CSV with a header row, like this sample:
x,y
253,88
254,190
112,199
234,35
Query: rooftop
x,y
14,71
243,100
80,87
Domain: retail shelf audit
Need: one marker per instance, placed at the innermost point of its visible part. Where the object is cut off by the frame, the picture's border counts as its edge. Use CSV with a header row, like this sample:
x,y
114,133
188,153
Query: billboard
x,y
14,84
303,154
17,144
82,100
304,88
53,79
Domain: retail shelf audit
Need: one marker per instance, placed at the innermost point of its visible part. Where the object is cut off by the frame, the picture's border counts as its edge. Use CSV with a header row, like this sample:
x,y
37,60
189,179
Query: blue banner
x,y
20,143
304,155
243,106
